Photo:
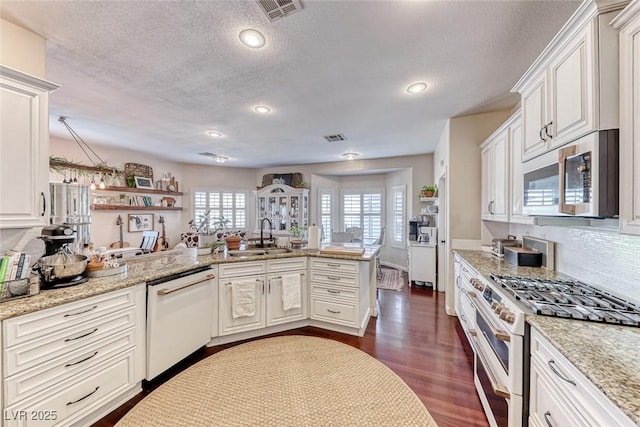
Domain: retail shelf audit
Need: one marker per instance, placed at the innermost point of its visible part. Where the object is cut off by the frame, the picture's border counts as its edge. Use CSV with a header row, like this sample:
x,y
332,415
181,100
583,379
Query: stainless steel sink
x,y
277,251
257,252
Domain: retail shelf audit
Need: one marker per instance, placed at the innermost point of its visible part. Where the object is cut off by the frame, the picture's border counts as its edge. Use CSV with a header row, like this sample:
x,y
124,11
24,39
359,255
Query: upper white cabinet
x,y
284,206
628,22
24,149
495,172
571,89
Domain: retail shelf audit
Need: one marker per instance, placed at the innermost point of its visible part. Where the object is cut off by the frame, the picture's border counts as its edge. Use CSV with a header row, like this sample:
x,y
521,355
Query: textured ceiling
x,y
155,76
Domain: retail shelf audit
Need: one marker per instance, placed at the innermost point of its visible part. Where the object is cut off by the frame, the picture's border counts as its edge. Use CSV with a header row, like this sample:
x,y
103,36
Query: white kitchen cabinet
x,y
24,149
339,294
75,362
275,312
495,173
234,273
422,264
628,22
560,395
571,89
284,206
516,173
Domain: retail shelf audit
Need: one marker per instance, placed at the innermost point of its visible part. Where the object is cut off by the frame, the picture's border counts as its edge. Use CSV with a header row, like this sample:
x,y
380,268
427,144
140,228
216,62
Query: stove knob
x,y
494,305
499,308
505,313
510,318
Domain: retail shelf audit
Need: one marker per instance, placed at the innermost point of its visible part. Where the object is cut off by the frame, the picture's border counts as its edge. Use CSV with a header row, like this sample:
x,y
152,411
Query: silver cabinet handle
x,y
334,312
81,336
170,291
551,364
546,130
82,398
547,417
269,285
540,134
331,291
333,278
334,265
81,312
80,361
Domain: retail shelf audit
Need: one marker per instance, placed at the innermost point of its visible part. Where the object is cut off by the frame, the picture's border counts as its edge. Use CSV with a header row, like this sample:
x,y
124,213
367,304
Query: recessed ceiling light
x,y
214,134
221,159
252,38
350,156
262,109
417,87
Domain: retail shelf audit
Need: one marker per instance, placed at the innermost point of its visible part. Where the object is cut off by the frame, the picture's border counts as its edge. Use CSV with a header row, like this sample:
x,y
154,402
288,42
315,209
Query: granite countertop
x,y
606,354
144,268
609,359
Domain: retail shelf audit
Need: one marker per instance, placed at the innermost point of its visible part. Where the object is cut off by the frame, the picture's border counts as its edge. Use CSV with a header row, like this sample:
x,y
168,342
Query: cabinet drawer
x,y
337,292
61,343
31,381
75,398
344,313
287,264
334,278
242,269
335,265
564,376
43,323
548,407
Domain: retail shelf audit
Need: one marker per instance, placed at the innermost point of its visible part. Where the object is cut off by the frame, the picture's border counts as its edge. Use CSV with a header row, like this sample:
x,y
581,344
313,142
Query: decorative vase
x,y
233,242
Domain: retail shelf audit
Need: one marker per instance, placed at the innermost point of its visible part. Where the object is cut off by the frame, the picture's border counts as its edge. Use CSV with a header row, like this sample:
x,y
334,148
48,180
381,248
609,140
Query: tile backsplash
x,y
599,257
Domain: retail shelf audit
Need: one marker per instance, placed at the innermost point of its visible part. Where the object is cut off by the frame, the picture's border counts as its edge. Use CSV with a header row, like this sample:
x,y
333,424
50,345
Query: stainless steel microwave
x,y
578,179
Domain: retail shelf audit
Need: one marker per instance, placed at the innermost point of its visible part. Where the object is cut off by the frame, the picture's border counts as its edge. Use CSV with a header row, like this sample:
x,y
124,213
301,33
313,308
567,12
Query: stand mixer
x,y
60,267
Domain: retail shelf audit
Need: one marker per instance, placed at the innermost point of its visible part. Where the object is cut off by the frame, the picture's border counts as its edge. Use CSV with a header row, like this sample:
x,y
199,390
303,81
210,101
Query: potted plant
x,y
301,184
428,191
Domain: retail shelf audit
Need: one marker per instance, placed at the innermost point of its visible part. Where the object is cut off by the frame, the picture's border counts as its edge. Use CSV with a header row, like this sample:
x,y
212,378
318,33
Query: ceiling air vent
x,y
335,138
207,154
277,9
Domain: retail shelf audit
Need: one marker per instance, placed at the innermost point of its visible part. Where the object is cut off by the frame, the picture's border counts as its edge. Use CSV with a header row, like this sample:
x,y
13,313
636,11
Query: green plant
x,y
431,188
301,184
131,181
297,231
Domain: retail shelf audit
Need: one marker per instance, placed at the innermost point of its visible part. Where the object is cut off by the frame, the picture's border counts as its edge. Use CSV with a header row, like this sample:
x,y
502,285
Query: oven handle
x,y
498,333
166,291
498,389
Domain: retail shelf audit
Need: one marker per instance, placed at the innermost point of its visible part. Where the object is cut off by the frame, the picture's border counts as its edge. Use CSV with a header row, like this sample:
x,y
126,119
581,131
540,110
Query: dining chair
x,y
341,237
356,232
379,241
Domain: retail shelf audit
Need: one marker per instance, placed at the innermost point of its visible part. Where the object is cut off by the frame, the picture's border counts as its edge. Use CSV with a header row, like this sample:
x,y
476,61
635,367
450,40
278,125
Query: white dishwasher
x,y
179,313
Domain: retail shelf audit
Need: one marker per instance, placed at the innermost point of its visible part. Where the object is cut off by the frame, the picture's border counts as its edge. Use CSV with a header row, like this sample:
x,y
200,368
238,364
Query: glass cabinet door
x,y
283,210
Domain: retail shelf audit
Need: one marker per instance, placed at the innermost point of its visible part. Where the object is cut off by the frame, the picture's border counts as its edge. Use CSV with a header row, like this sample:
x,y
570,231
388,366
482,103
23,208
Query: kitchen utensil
x,y
62,266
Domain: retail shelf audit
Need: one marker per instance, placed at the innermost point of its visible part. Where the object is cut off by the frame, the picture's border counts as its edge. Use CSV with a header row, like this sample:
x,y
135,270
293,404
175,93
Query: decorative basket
x,y
135,169
233,242
14,289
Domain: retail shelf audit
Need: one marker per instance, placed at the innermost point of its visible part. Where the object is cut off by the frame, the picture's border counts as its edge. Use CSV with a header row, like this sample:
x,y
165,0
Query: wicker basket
x,y
135,169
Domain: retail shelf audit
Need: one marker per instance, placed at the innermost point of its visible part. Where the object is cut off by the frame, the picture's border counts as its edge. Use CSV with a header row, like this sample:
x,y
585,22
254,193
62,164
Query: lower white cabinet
x,y
560,395
268,307
73,363
422,264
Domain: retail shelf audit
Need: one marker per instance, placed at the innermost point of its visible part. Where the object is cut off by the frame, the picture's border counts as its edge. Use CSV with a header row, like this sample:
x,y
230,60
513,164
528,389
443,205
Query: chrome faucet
x,y
261,228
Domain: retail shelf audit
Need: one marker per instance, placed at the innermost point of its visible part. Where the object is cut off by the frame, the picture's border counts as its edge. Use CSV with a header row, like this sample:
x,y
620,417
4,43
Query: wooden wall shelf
x,y
140,190
134,208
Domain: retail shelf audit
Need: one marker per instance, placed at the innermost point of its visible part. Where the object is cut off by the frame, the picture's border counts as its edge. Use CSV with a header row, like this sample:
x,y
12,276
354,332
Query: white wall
x,y
22,49
598,257
104,230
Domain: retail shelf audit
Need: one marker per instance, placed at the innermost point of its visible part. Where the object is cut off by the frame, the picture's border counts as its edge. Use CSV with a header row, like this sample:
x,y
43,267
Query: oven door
x,y
541,185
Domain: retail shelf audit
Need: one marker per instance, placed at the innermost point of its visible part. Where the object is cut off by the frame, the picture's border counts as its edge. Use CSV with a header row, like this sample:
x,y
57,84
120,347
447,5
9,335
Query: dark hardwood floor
x,y
414,337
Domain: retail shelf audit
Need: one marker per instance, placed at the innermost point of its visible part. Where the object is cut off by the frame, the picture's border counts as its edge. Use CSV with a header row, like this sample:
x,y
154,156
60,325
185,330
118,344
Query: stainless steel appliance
x,y
428,235
60,267
70,205
498,245
571,299
578,179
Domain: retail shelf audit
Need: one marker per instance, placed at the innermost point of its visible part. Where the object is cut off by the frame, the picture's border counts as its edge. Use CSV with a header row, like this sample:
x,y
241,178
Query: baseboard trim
x,y
396,266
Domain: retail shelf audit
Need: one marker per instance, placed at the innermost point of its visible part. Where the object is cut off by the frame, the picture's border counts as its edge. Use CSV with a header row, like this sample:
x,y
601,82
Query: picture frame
x,y
142,182
140,222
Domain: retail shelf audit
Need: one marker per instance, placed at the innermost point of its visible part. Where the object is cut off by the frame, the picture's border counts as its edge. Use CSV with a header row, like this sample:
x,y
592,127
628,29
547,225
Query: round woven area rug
x,y
283,381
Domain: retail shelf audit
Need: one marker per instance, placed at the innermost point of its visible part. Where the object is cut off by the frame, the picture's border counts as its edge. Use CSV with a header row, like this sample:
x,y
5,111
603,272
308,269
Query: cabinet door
x,y
500,172
630,127
487,179
534,118
276,314
227,322
571,90
24,151
516,175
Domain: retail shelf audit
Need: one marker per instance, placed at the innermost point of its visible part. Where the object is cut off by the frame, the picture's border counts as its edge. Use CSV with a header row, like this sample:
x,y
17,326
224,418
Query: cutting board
x,y
342,250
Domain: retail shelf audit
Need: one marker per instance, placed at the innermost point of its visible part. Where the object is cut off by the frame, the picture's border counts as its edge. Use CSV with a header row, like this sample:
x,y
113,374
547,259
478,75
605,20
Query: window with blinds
x,y
220,204
363,209
398,215
326,214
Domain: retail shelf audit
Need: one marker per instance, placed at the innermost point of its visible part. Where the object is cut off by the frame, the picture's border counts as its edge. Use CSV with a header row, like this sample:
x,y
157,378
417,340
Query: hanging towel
x,y
291,297
243,298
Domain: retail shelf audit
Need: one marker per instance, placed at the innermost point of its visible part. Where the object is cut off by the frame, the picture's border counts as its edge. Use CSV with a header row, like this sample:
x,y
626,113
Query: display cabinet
x,y
284,206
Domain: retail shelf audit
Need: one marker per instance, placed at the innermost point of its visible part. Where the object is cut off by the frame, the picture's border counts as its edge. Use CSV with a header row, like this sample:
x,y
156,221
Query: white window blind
x,y
230,205
398,215
363,209
326,214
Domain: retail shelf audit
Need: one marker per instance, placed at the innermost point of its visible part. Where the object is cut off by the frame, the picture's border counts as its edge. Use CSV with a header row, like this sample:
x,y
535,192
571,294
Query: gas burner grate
x,y
569,299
